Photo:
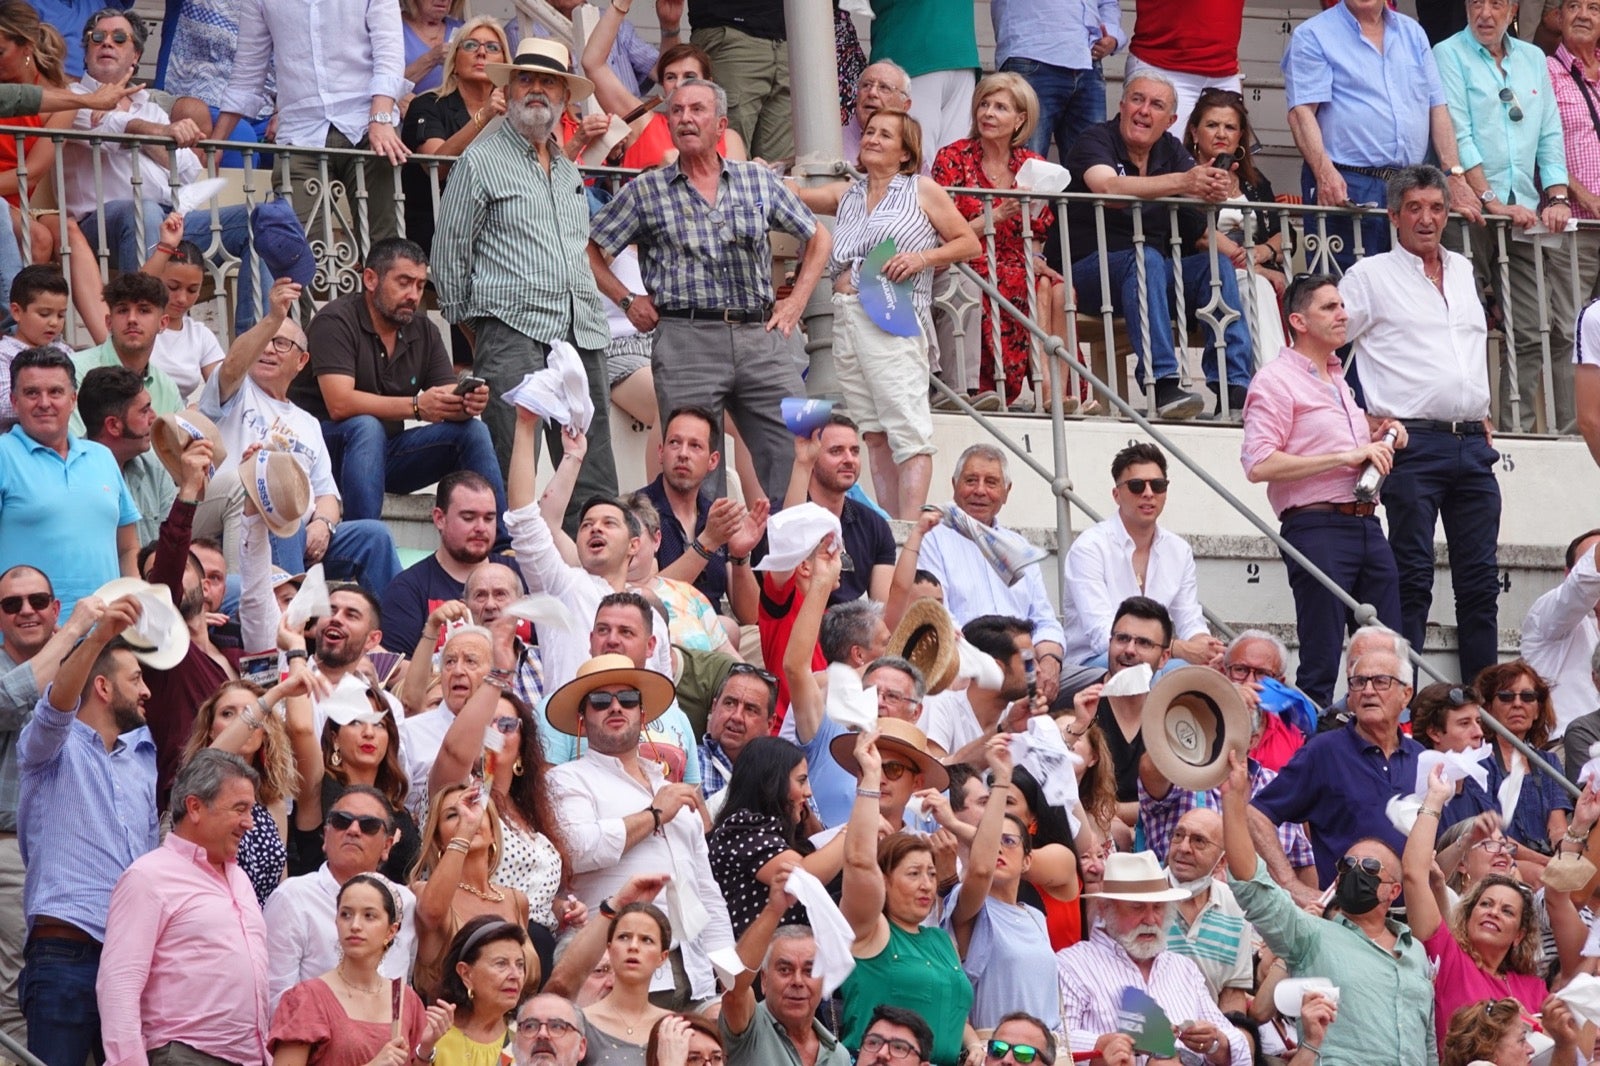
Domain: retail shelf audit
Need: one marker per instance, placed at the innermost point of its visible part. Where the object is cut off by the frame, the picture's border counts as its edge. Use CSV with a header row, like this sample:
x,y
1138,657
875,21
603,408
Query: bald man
x,y
248,399
1209,927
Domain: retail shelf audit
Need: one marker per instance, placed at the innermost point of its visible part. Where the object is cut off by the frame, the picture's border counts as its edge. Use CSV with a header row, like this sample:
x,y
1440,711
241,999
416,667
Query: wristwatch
x,y
1486,197
384,118
626,302
1457,171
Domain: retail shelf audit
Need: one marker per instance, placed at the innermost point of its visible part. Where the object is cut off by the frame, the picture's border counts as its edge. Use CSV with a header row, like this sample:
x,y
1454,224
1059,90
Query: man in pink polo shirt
x,y
1305,436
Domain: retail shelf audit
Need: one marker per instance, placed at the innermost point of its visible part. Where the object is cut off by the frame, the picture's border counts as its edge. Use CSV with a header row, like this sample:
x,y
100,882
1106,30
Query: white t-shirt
x,y
1586,352
948,721
252,416
183,353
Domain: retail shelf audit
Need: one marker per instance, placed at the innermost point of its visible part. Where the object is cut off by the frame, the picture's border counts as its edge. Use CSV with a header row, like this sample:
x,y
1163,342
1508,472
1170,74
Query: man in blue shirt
x,y
1365,100
1057,46
1503,107
87,810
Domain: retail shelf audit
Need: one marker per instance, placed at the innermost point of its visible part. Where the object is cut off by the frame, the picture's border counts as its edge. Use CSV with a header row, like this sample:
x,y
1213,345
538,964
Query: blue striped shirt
x,y
701,255
85,815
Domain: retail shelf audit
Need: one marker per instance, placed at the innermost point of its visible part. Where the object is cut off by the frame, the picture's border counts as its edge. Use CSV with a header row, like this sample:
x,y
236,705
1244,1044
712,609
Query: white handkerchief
x,y
727,965
833,934
1038,175
543,609
1042,751
1590,769
311,601
196,194
982,667
1511,792
848,703
1458,766
1008,557
1582,995
684,909
559,392
1402,812
1134,681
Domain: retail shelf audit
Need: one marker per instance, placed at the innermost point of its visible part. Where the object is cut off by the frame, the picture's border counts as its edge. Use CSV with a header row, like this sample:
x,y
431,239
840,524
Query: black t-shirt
x,y
1102,145
869,541
410,597
758,18
1125,754
429,116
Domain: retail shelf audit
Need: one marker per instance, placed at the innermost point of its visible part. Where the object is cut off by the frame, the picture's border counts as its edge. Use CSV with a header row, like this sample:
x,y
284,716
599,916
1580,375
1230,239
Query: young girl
x,y
187,351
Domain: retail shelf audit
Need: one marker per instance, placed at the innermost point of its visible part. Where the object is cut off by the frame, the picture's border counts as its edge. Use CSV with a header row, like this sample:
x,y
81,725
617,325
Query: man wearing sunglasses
x,y
1129,554
302,941
1022,1039
1509,131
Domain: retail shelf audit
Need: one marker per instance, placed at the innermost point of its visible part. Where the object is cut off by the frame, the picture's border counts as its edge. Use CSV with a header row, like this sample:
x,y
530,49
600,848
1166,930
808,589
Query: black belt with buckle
x,y
1380,173
1461,429
1354,508
731,315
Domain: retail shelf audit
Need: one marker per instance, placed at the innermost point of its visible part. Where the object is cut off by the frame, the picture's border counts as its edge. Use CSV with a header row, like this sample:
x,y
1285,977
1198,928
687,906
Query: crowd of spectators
x,y
699,773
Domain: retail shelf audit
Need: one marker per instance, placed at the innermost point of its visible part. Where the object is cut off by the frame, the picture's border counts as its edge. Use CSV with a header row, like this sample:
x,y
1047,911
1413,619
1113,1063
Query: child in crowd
x,y
187,351
39,306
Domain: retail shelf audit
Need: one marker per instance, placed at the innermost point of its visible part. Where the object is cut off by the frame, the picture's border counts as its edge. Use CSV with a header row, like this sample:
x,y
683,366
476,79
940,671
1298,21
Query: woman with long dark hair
x,y
765,824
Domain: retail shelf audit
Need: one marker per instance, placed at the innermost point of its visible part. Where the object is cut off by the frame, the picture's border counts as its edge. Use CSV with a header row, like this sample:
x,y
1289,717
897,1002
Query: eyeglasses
x,y
284,344
899,1050
1498,847
627,699
1022,1054
558,1026
1379,682
117,36
1157,485
1195,839
371,826
507,724
894,771
897,700
1507,96
1242,672
866,85
488,47
714,1058
1010,840
37,600
1526,695
749,669
1122,640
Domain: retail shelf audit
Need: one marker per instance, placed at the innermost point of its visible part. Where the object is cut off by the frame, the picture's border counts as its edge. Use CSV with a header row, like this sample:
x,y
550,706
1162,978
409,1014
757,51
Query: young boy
x,y
187,351
39,306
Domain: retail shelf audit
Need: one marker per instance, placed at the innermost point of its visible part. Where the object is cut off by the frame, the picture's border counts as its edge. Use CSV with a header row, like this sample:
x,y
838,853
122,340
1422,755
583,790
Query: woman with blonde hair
x,y
428,27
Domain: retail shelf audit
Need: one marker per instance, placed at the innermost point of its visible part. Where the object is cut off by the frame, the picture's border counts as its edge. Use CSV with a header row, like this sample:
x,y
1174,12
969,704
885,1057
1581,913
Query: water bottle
x,y
1030,671
1370,481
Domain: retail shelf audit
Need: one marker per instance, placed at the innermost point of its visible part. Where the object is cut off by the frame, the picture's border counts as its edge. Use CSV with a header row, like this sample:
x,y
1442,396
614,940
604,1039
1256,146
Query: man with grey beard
x,y
1128,946
510,255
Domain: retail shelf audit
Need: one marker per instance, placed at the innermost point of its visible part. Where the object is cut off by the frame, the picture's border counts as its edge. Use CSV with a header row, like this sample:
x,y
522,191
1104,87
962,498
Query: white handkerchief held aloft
x,y
1591,769
310,601
685,911
196,194
727,965
1039,175
833,934
1043,752
1133,681
1402,812
848,703
1458,766
1582,996
543,609
981,667
559,392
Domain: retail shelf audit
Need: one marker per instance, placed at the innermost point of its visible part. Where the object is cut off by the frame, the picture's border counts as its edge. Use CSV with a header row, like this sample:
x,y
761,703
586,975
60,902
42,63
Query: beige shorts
x,y
884,379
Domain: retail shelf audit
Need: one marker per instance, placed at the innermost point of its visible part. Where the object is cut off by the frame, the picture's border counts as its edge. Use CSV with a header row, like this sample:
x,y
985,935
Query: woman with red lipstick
x,y
637,942
484,977
346,1016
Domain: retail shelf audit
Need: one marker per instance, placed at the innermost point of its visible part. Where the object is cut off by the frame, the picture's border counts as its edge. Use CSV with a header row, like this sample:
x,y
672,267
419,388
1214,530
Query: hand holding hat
x,y
173,434
794,533
157,632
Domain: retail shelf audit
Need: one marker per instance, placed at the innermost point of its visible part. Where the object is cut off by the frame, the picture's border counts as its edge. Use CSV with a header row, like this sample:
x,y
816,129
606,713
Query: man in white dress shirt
x,y
981,484
302,942
1559,636
1419,335
1129,554
622,818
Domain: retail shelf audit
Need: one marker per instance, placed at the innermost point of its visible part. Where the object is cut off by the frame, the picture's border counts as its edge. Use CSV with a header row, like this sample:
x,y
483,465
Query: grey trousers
x,y
380,179
13,934
503,356
742,369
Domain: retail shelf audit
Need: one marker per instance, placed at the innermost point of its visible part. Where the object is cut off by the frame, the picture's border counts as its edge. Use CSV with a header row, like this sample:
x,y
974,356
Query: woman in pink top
x,y
1488,947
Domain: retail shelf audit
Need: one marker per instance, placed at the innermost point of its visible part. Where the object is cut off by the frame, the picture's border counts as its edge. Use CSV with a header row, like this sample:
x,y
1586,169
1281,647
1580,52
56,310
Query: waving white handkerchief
x,y
1041,750
1038,175
1402,812
1008,557
684,910
196,194
1511,791
1589,770
311,601
1134,681
1458,766
543,609
833,934
559,392
1582,995
981,667
848,703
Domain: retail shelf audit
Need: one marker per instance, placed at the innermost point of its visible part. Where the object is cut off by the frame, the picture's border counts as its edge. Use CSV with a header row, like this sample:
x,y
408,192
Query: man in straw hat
x,y
1128,946
510,253
622,817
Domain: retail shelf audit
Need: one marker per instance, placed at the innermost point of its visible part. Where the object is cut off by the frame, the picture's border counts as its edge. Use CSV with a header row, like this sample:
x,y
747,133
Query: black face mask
x,y
1356,891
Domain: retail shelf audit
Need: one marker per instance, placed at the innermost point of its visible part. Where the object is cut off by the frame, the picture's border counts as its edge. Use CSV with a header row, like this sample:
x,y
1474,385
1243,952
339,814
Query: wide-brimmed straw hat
x,y
545,57
277,484
926,637
1137,877
897,738
160,638
562,710
175,432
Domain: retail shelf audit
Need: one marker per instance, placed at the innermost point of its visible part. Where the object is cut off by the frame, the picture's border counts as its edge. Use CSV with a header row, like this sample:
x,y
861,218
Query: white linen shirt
x,y
422,736
1559,634
1420,354
302,942
593,794
973,589
331,56
947,719
116,160
1100,573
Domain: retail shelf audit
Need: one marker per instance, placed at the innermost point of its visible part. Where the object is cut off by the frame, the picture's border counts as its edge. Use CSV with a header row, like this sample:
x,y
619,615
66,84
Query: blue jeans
x,y
1070,101
361,550
1351,550
58,999
359,447
10,264
1450,477
1161,297
1374,228
122,237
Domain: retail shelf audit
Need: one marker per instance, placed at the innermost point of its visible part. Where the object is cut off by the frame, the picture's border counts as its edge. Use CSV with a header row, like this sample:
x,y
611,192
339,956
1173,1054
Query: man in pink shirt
x,y
183,978
1305,436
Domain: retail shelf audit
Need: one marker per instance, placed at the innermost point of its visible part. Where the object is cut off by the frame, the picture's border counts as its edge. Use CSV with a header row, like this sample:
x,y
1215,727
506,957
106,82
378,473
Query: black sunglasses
x,y
628,699
370,825
1526,695
507,724
1369,864
1514,112
1137,485
37,600
117,36
1022,1054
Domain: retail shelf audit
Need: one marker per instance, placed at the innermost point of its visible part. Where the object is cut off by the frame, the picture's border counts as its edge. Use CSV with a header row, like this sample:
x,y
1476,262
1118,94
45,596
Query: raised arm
x,y
739,1002
1425,903
558,493
985,851
463,742
805,695
589,943
905,566
414,689
863,897
609,92
1237,840
249,345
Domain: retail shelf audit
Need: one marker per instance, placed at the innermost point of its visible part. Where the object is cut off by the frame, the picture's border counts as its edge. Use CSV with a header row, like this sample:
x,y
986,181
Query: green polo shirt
x,y
153,492
164,395
764,1043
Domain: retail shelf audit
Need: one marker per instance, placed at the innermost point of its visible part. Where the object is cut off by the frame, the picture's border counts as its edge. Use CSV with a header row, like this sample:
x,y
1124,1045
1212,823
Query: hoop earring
x,y
517,767
336,759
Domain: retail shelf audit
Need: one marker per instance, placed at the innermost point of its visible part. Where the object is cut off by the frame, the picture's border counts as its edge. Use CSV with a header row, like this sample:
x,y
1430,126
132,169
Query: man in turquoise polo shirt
x,y
64,507
136,305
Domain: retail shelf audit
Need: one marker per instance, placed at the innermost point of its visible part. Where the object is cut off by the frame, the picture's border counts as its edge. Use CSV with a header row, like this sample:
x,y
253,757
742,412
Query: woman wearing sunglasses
x,y
1486,947
889,891
1004,944
346,1017
454,880
1518,698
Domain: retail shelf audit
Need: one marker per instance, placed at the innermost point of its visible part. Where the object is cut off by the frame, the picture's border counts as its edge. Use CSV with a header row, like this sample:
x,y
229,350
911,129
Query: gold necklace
x,y
491,896
352,986
638,1020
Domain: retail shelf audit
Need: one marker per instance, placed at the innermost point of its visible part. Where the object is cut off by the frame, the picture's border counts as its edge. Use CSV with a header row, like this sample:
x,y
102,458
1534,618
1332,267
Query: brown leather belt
x,y
55,929
1360,510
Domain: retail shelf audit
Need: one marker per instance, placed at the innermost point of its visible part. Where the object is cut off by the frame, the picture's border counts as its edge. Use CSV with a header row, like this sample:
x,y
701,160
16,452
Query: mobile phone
x,y
468,384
